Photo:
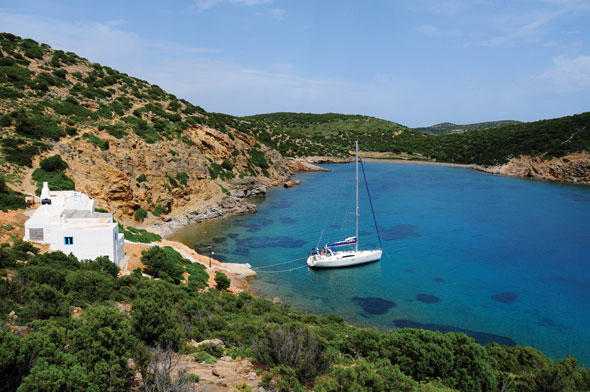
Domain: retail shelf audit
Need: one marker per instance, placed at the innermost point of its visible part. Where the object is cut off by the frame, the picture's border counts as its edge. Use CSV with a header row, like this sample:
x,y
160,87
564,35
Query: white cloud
x,y
250,2
203,5
528,28
278,13
428,30
568,74
433,31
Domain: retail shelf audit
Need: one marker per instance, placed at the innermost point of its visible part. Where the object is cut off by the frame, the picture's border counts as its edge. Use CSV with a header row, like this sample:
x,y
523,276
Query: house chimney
x,y
45,191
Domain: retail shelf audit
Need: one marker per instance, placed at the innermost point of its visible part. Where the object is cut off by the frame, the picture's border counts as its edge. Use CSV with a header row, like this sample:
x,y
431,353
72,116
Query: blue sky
x,y
415,62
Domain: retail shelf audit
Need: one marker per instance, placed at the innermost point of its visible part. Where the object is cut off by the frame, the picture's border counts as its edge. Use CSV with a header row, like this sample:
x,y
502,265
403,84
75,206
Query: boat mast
x,y
356,244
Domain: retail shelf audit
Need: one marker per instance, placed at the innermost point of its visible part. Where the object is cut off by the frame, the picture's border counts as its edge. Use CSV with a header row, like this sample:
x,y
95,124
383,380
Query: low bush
x,y
51,171
140,214
164,262
21,152
158,210
9,199
138,235
53,163
92,138
222,282
257,158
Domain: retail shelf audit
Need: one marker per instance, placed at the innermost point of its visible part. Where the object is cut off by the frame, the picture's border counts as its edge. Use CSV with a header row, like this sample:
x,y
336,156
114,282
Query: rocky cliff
x,y
128,144
573,168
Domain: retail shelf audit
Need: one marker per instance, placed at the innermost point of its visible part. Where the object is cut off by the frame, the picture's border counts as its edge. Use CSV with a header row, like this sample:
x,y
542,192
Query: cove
x,y
506,257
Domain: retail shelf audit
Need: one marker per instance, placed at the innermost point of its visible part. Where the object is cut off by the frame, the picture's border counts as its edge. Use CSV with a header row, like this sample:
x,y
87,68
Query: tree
x,y
164,262
154,324
53,163
103,343
140,214
222,281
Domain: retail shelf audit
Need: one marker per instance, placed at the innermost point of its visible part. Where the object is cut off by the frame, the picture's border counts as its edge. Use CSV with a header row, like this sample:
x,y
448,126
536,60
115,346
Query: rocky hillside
x,y
573,168
546,143
447,127
139,151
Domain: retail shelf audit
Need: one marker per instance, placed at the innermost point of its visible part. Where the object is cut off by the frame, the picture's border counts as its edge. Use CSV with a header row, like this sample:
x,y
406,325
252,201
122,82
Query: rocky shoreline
x,y
237,201
573,168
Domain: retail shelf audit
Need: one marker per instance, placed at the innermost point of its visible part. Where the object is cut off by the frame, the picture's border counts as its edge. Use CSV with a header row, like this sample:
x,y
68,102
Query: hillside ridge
x,y
125,142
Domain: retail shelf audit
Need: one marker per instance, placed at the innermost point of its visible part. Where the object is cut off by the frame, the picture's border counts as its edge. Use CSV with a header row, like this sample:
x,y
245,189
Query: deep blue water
x,y
500,258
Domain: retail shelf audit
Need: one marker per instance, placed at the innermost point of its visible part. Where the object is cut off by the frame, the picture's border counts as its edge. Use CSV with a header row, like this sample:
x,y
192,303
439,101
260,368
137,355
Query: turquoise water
x,y
500,258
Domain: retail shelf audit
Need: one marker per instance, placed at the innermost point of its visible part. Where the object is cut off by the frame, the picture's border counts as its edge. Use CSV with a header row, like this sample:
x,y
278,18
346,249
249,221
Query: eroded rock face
x,y
570,168
174,176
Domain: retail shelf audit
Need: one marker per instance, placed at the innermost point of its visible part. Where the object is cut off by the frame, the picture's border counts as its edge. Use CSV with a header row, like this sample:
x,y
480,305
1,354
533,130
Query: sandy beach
x,y
416,162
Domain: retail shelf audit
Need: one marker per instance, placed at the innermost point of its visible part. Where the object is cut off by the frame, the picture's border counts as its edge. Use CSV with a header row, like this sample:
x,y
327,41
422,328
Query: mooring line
x,y
281,263
285,270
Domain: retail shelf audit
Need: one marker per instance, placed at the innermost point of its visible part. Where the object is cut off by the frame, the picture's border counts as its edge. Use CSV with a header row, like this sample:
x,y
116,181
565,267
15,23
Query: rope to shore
x,y
285,270
281,263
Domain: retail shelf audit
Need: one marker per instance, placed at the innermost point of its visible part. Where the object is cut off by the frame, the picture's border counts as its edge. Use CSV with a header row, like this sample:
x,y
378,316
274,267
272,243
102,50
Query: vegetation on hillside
x,y
9,199
49,95
446,128
335,135
42,347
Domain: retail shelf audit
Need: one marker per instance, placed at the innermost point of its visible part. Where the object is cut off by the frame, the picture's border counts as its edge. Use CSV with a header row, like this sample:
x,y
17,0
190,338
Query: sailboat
x,y
329,257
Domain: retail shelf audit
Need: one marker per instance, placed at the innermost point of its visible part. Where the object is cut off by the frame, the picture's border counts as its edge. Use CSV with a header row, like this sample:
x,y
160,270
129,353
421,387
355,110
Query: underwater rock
x,y
270,242
399,232
480,337
507,297
427,298
374,305
287,220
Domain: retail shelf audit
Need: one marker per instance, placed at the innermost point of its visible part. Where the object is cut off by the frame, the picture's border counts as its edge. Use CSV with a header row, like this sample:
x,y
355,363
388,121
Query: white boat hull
x,y
344,259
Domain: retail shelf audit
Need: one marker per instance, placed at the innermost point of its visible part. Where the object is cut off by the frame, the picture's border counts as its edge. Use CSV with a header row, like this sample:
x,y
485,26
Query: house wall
x,y
89,243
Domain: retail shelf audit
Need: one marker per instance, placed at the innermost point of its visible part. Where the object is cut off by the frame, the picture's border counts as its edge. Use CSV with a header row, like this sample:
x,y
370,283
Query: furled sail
x,y
348,241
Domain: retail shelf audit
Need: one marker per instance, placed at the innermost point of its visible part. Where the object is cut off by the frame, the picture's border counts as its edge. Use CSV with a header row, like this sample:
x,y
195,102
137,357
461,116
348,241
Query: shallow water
x,y
499,258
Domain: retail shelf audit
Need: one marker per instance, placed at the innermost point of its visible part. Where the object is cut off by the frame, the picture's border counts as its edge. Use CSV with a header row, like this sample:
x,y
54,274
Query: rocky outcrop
x,y
302,165
292,183
176,179
326,159
573,168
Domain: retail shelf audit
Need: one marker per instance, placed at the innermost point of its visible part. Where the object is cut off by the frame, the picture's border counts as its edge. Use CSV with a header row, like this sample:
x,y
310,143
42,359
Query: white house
x,y
66,220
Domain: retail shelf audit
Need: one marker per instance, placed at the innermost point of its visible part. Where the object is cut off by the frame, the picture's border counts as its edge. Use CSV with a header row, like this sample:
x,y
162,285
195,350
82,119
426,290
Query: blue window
x,y
69,240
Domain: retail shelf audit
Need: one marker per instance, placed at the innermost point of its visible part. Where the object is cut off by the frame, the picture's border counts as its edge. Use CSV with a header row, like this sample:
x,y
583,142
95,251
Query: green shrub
x,y
8,93
9,199
138,235
216,350
140,214
198,278
158,210
257,158
57,180
380,375
204,356
426,355
294,345
20,152
165,263
53,163
92,138
227,165
141,178
154,324
89,286
36,126
182,177
222,282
